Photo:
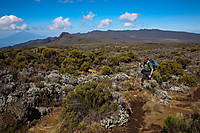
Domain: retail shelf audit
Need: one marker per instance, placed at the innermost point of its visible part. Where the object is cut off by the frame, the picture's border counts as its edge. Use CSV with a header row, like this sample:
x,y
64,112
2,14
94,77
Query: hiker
x,y
148,69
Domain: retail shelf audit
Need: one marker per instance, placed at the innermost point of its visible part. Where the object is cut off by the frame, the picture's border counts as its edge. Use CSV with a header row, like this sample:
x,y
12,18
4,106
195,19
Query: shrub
x,y
85,66
99,59
76,54
189,80
188,124
114,60
169,68
127,57
20,59
183,61
2,56
156,76
106,70
90,57
49,53
71,70
39,49
119,69
91,96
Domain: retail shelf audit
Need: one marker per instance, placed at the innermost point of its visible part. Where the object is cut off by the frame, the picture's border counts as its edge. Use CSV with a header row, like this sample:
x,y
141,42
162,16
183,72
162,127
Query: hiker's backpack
x,y
153,63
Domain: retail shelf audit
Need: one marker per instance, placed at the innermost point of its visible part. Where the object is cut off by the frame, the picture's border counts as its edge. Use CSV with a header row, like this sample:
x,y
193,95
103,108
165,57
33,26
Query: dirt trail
x,y
139,122
47,123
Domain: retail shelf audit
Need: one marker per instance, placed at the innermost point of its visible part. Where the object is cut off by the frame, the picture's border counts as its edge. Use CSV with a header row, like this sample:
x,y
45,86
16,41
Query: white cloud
x,y
104,23
129,17
12,23
66,1
37,0
89,16
60,23
128,24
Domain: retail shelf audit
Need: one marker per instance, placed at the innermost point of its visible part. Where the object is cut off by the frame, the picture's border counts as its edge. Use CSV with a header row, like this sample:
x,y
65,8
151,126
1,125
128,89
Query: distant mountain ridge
x,y
20,37
126,36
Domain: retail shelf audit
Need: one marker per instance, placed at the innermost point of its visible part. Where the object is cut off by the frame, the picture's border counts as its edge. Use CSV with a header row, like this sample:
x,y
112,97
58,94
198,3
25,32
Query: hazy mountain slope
x,y
126,36
19,37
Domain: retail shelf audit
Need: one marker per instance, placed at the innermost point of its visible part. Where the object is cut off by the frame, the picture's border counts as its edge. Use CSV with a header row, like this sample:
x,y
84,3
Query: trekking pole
x,y
136,76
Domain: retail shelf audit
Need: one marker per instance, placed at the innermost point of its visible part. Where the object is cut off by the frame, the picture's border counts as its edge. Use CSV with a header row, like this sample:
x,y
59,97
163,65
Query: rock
x,y
166,84
175,77
44,110
32,90
19,108
7,78
120,77
2,103
176,89
151,85
53,77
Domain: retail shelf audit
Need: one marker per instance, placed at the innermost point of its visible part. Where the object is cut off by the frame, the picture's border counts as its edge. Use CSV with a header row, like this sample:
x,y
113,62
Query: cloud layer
x,y
12,23
60,24
128,24
104,23
66,1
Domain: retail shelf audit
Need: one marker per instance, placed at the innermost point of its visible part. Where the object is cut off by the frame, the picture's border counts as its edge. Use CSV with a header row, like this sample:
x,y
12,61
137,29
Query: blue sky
x,y
51,17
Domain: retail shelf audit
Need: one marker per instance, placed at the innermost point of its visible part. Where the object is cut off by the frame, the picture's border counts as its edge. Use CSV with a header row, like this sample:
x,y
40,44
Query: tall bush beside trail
x,y
186,124
169,68
157,77
79,103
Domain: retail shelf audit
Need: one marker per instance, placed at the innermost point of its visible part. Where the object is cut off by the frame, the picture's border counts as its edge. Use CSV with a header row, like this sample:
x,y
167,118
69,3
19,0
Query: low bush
x,y
184,62
85,66
106,70
157,77
189,80
169,68
187,124
80,102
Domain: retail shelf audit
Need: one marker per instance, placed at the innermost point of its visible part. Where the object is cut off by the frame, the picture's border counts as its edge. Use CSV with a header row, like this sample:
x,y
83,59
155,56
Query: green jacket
x,y
147,66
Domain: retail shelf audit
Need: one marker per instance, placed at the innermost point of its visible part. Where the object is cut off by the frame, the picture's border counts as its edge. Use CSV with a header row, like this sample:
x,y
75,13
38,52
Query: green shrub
x,y
114,60
189,80
186,124
106,70
119,69
2,56
90,57
91,96
76,54
99,59
127,57
169,68
156,76
2,64
20,59
71,70
85,66
183,61
49,53
39,49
